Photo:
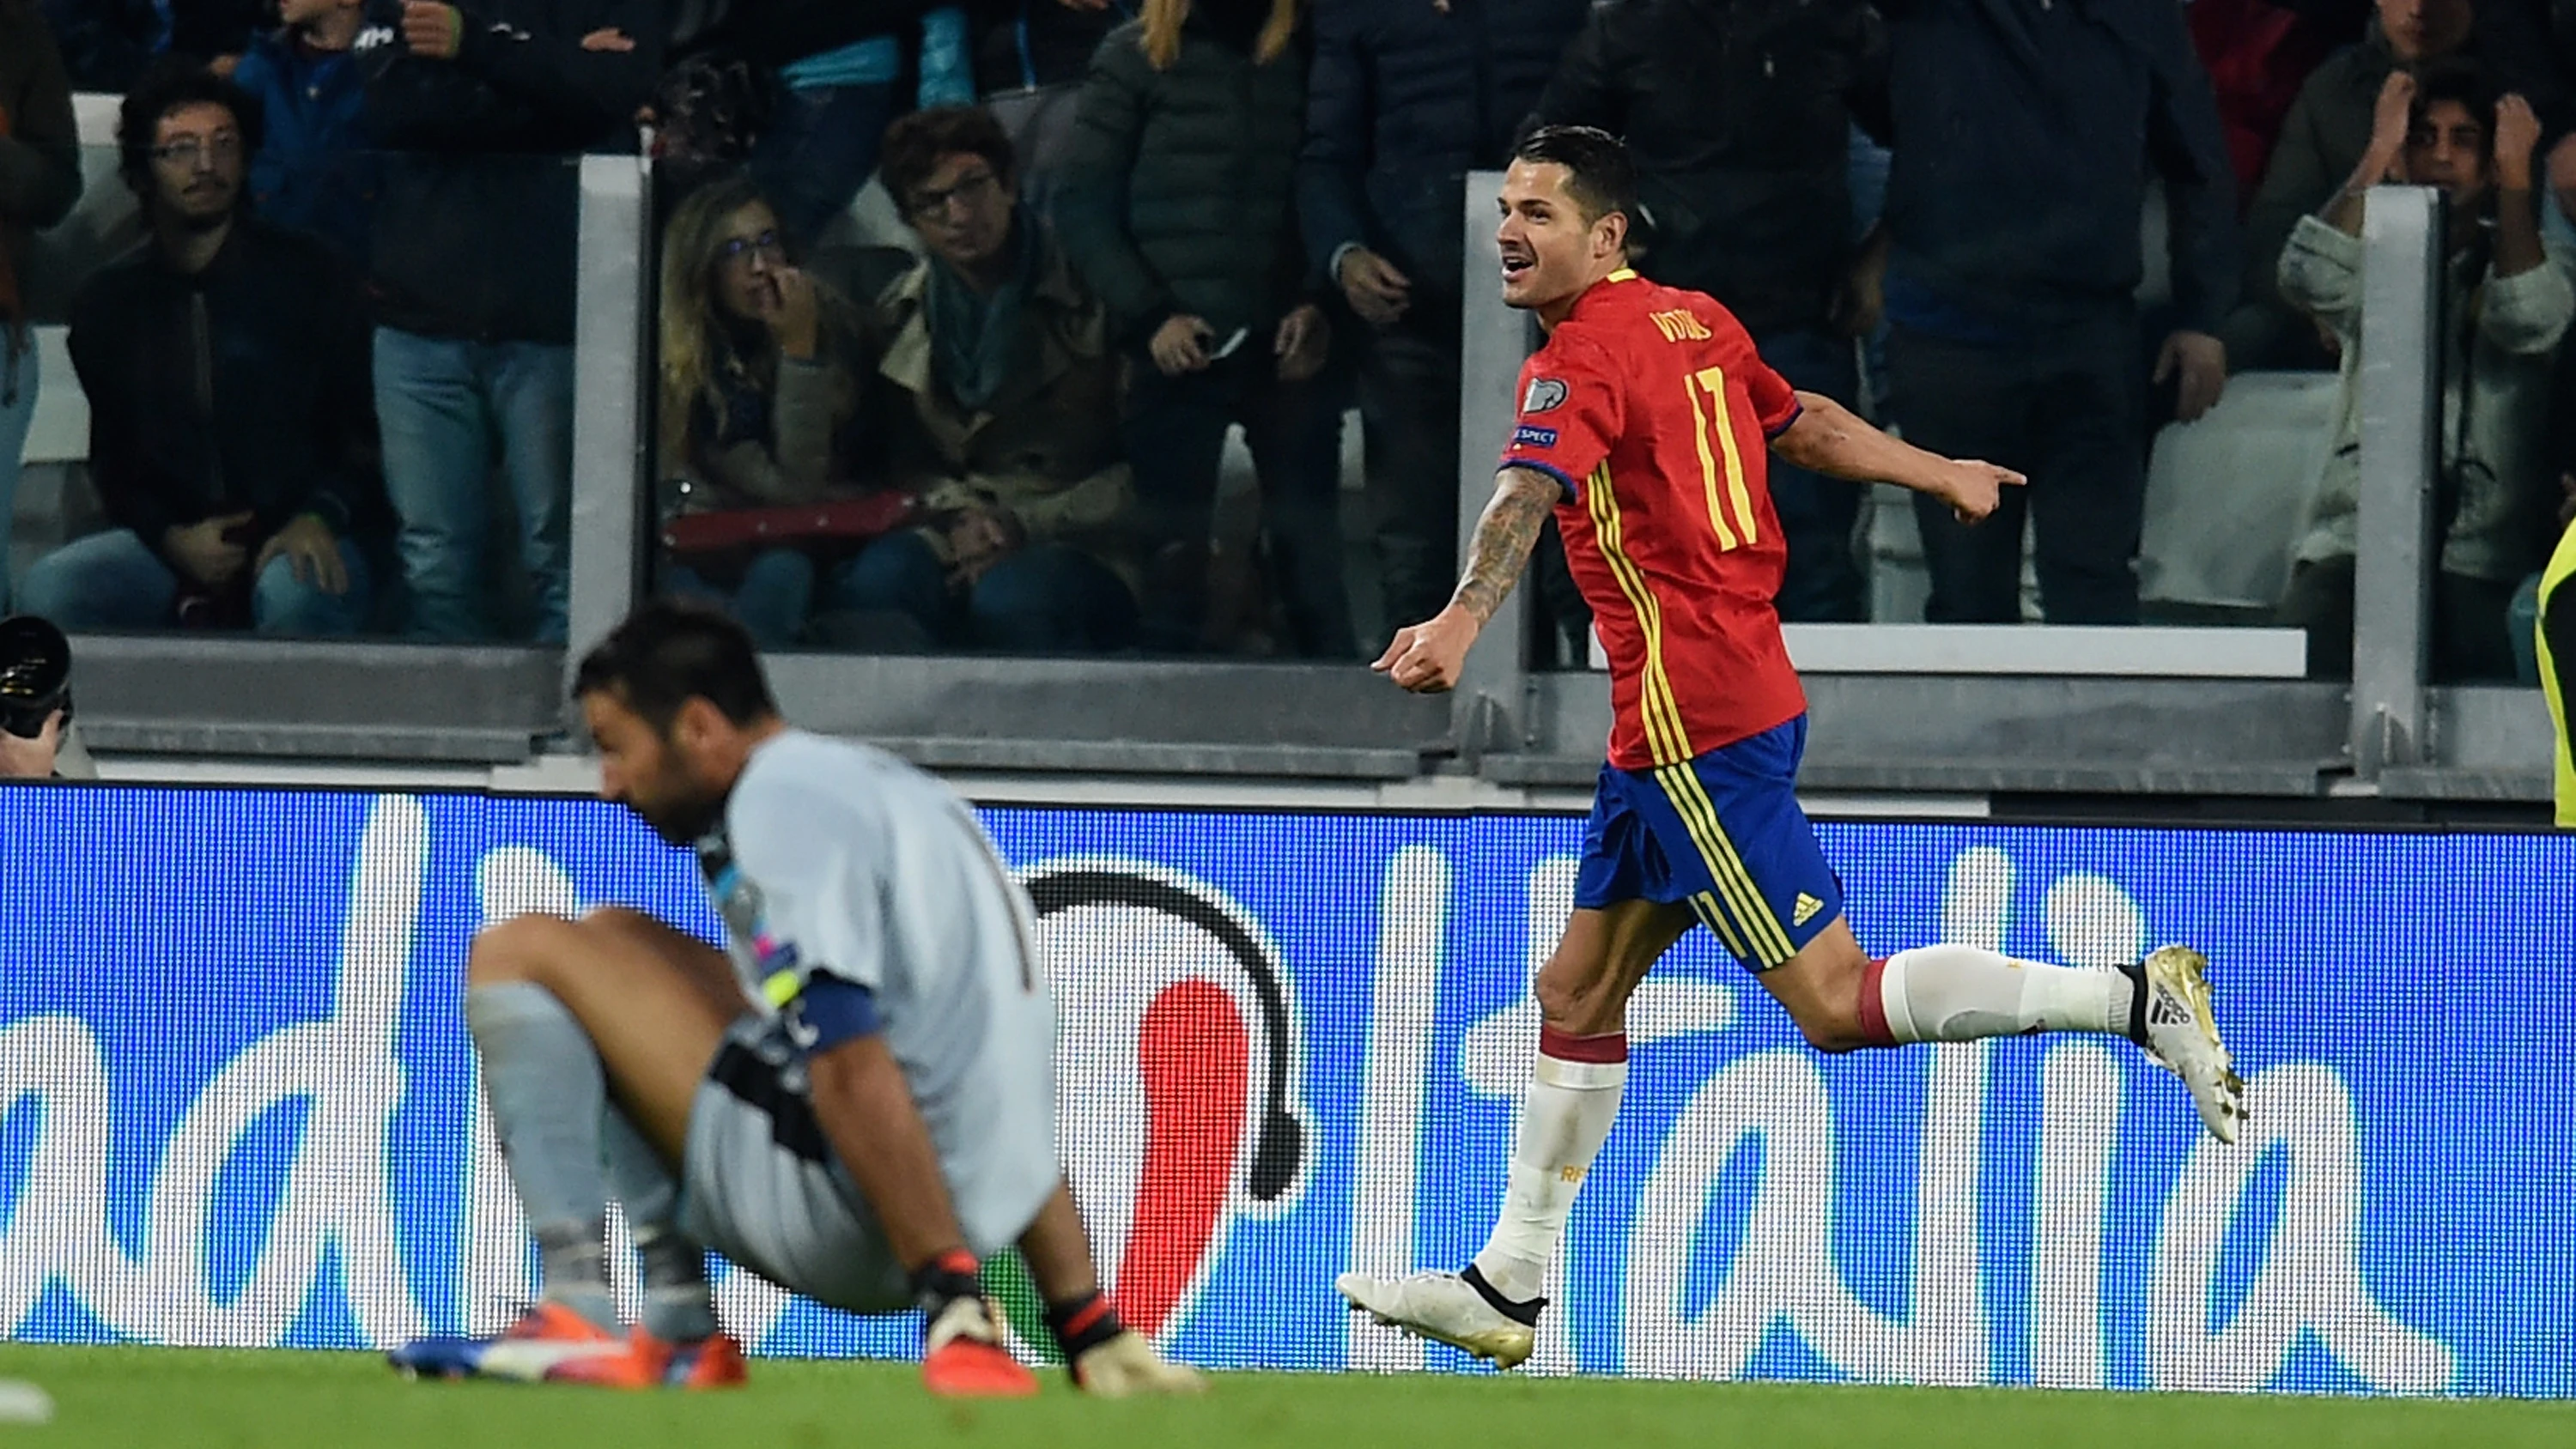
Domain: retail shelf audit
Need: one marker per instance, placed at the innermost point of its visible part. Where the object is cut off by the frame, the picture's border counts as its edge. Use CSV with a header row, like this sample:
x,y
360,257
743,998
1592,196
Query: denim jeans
x,y
112,581
17,411
1175,436
446,407
1823,584
1045,599
820,146
772,599
2067,407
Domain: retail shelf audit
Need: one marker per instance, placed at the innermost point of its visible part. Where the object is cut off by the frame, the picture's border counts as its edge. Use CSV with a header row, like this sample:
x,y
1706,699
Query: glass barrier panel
x,y
325,395
916,428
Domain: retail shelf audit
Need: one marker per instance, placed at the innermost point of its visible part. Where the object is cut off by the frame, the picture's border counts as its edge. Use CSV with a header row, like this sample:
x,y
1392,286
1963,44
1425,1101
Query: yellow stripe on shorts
x,y
1762,928
1713,915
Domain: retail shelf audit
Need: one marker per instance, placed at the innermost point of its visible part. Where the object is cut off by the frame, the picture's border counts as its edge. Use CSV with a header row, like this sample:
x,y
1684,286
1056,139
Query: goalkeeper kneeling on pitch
x,y
855,1100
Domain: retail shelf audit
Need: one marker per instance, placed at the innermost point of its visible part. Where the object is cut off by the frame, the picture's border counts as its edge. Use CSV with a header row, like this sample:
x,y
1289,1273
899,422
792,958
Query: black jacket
x,y
1738,113
1023,43
2530,47
40,174
478,222
1404,101
774,32
105,43
1179,187
241,388
2024,135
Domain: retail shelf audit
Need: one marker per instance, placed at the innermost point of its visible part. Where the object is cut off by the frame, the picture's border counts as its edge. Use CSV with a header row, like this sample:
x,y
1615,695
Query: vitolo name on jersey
x,y
1291,1046
1680,325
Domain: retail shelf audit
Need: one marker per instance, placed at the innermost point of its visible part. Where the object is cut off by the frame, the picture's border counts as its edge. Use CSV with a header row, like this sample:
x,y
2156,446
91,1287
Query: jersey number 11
x,y
1733,497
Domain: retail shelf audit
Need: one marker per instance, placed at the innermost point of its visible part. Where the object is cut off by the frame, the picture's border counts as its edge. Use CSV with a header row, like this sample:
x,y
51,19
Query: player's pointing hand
x,y
1427,657
1975,489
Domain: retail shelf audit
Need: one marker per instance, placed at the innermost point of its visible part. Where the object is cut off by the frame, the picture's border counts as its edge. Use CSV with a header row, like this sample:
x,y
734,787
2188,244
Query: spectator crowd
x,y
331,389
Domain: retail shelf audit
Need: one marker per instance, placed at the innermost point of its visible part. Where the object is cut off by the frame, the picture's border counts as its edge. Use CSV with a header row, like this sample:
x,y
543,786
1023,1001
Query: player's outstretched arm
x,y
1427,657
1829,438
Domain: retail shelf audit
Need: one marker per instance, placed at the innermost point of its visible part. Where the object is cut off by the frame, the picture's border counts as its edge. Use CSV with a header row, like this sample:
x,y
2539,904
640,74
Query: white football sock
x,y
1961,993
1566,1114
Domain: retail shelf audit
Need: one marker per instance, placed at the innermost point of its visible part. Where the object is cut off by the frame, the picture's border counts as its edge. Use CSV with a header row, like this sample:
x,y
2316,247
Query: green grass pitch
x,y
132,1398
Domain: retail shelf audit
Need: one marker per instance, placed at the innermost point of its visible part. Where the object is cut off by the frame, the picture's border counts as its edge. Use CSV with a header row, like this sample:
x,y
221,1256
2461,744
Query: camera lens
x,y
35,674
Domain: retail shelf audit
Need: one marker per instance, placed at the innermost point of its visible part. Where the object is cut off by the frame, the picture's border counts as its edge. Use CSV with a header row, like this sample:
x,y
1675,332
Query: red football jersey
x,y
1651,408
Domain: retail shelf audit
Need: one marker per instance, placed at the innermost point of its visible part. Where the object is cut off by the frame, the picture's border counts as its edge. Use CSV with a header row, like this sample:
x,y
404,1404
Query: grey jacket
x,y
2495,401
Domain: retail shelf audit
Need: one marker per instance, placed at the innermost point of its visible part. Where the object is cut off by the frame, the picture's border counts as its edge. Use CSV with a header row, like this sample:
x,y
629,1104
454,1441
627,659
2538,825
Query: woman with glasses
x,y
760,397
1178,207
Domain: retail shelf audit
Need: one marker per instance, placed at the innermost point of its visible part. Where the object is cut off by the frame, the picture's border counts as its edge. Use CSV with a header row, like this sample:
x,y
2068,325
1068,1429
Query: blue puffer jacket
x,y
1404,99
314,170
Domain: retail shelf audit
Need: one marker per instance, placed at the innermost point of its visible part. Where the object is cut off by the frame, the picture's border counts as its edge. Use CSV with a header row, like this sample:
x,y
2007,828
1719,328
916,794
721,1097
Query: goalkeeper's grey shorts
x,y
761,1185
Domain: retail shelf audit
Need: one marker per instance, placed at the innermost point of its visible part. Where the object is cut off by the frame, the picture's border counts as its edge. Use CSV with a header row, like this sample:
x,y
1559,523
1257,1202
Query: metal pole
x,y
2402,355
608,411
1492,699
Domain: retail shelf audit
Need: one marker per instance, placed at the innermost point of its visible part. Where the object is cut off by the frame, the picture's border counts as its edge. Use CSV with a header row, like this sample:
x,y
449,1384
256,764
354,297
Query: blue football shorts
x,y
1722,834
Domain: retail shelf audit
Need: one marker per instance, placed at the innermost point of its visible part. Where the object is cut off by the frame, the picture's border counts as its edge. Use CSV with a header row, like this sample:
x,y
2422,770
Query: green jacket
x,y
1046,449
1179,186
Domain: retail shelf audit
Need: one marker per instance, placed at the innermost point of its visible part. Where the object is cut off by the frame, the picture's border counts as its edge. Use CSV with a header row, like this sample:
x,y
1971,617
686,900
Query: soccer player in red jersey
x,y
1645,423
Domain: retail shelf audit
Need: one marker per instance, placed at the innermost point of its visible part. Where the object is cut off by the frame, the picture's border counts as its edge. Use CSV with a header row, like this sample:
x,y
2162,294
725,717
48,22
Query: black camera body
x,y
35,675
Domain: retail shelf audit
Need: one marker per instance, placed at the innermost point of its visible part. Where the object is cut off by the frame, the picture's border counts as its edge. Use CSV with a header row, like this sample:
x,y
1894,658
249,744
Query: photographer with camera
x,y
36,739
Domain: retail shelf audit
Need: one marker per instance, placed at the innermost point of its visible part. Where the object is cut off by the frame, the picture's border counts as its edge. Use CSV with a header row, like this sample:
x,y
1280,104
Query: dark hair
x,y
914,144
2453,78
169,84
672,651
1599,175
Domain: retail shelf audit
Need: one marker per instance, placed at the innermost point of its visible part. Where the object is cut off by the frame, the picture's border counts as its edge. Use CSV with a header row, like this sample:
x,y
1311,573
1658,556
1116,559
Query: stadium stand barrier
x,y
2157,719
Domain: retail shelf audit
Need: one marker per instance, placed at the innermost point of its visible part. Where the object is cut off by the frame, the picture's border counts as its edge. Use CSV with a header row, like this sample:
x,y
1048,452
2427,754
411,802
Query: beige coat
x,y
1046,450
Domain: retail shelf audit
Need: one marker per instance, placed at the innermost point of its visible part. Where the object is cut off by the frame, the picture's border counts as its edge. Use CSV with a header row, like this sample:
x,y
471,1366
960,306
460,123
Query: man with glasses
x,y
226,369
485,108
1006,423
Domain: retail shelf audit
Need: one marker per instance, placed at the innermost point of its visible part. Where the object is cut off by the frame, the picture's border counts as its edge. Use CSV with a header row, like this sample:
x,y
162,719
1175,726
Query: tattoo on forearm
x,y
1505,534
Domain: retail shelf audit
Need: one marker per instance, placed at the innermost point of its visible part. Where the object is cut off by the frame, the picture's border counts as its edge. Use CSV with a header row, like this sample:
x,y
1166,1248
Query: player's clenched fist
x,y
1426,658
1975,489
